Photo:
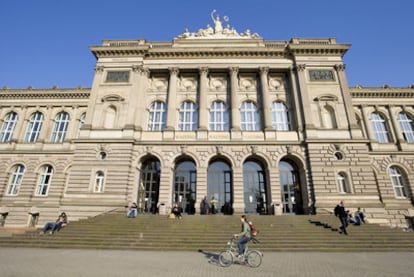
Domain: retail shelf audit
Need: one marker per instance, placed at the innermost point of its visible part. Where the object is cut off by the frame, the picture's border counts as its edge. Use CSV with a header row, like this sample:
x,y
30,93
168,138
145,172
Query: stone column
x,y
172,99
266,98
203,111
395,128
140,77
235,113
296,105
93,115
349,110
368,126
306,105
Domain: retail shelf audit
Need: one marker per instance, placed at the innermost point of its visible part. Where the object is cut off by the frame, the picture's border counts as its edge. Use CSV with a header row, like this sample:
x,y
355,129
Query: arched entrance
x,y
219,186
290,188
254,186
149,186
185,185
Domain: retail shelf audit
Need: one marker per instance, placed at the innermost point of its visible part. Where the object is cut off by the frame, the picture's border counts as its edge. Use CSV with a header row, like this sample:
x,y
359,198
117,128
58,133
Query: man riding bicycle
x,y
244,236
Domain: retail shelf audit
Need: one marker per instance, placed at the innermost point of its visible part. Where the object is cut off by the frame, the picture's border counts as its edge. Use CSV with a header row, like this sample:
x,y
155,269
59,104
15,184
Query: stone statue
x,y
218,26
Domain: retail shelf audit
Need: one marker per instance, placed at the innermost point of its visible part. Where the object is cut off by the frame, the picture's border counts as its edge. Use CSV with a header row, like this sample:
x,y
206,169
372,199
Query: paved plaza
x,y
66,262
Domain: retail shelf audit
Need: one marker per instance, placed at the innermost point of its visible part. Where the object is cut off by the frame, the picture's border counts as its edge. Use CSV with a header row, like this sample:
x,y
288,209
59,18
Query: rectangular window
x,y
117,77
321,75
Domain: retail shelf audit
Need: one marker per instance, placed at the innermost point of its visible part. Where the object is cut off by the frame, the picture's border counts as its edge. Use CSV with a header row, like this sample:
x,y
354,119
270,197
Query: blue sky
x,y
44,43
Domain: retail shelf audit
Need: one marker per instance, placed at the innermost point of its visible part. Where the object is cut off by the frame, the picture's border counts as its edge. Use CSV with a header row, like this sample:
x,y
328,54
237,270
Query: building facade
x,y
264,127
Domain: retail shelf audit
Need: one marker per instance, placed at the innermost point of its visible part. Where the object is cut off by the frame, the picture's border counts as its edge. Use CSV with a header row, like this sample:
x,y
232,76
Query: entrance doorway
x,y
149,186
219,186
290,188
185,184
254,185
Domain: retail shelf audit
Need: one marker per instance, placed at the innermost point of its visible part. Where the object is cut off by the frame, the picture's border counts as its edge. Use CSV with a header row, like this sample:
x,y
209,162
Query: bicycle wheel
x,y
225,258
254,258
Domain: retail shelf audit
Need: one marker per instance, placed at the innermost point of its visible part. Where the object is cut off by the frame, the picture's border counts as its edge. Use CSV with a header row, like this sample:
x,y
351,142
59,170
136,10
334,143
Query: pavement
x,y
73,263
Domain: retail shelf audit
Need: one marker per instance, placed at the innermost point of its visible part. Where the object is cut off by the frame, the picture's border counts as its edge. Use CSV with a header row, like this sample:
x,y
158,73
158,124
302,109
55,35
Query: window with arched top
x,y
34,127
188,120
15,180
157,116
380,127
44,180
280,118
60,127
398,182
110,117
343,182
249,117
407,126
99,182
8,126
219,116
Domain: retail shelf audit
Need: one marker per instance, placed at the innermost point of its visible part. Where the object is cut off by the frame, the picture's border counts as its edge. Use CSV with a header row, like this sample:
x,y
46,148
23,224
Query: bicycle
x,y
252,257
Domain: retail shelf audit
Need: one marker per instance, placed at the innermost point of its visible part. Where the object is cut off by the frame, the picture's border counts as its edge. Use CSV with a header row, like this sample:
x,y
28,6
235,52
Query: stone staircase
x,y
211,233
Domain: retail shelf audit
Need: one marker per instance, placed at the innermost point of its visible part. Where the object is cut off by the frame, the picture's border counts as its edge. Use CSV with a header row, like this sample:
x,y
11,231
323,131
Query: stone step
x,y
154,232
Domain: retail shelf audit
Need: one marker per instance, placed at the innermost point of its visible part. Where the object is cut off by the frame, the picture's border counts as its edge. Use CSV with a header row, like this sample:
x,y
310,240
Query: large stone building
x,y
268,127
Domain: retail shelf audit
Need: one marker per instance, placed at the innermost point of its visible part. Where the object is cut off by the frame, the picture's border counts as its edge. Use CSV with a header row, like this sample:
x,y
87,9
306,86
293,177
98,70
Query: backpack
x,y
253,230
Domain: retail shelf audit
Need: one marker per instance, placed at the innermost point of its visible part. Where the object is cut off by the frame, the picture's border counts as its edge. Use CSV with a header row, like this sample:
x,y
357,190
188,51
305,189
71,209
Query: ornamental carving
x,y
248,83
158,83
187,83
217,83
218,30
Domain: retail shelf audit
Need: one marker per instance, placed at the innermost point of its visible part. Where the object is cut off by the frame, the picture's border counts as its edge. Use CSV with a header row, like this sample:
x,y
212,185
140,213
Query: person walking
x,y
341,213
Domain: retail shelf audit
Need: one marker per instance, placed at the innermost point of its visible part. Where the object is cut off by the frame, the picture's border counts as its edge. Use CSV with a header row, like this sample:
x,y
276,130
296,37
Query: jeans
x,y
344,223
132,213
242,244
52,226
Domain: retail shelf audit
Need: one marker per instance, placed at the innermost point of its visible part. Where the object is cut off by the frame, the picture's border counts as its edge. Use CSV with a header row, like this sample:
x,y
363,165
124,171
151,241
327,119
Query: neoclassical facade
x,y
264,127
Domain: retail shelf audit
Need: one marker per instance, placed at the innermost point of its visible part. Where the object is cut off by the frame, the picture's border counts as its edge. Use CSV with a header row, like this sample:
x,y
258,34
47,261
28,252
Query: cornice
x,y
382,92
208,48
45,93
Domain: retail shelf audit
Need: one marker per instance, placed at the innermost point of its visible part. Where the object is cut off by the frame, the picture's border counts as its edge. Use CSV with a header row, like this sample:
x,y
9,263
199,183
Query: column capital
x,y
264,70
203,70
141,70
340,67
300,67
233,70
174,70
99,68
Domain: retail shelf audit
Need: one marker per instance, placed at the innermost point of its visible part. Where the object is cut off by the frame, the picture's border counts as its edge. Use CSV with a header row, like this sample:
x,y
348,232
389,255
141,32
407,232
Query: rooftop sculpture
x,y
218,32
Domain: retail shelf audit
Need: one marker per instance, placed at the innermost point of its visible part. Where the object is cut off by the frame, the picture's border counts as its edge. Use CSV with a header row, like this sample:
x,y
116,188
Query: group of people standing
x,y
208,208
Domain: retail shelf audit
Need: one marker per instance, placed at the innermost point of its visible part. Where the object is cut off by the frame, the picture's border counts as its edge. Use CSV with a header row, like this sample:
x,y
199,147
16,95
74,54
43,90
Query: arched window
x,y
343,183
379,125
280,119
157,116
44,180
8,126
60,128
398,182
328,117
99,182
185,186
15,180
110,117
34,127
249,115
188,117
219,116
407,127
81,123
254,188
